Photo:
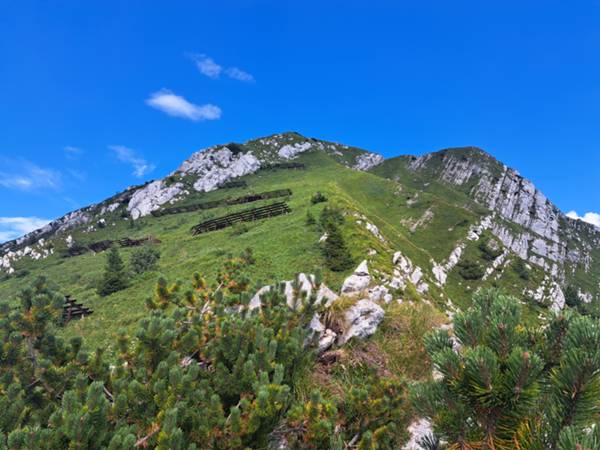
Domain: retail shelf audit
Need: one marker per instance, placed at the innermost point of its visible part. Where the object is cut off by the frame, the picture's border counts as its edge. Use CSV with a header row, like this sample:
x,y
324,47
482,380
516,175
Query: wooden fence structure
x,y
224,202
101,246
72,310
233,184
285,165
249,215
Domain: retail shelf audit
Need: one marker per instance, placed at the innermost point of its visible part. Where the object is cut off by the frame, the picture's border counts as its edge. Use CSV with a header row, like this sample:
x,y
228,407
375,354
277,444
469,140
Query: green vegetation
x,y
318,197
144,259
335,250
197,375
510,386
470,269
224,377
520,267
114,278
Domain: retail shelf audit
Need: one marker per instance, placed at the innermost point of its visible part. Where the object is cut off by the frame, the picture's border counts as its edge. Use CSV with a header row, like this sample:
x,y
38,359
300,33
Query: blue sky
x,y
96,96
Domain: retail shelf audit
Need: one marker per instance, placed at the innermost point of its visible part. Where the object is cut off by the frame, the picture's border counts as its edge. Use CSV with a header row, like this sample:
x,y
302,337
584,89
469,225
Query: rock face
x,y
362,320
291,151
513,200
367,161
152,197
215,166
358,281
405,271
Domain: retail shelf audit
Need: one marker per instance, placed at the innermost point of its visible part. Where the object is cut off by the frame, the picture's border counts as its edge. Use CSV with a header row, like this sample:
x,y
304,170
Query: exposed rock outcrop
x,y
357,282
153,196
362,320
367,161
306,286
514,200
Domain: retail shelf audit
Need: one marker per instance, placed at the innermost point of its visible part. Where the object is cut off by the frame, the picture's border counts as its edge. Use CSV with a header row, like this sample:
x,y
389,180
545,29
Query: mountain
x,y
436,227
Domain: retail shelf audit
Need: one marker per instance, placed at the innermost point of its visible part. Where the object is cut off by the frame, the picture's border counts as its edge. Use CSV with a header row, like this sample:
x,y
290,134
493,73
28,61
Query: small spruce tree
x,y
335,250
114,278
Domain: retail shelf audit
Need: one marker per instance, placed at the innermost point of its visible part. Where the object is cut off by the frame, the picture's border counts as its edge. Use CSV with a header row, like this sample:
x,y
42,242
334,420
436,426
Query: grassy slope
x,y
283,245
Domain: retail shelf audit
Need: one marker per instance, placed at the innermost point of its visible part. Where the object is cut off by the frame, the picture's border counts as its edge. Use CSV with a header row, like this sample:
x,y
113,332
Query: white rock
x,y
379,293
326,340
153,196
375,231
306,288
418,430
362,320
291,151
215,166
358,281
366,161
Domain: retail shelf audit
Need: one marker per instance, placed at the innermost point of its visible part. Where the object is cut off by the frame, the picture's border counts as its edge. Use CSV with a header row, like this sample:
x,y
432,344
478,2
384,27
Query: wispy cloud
x,y
72,152
239,74
14,227
177,106
207,66
589,217
129,156
26,176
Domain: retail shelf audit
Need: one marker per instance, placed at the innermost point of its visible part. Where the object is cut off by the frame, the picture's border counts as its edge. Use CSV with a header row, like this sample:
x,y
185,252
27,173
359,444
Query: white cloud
x,y
72,152
14,227
589,217
239,74
177,106
207,66
127,155
24,175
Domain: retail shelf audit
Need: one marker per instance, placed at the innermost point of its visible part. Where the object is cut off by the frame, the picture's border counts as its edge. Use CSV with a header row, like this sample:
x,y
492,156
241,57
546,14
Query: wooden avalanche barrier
x,y
233,184
101,246
72,310
288,165
224,202
263,212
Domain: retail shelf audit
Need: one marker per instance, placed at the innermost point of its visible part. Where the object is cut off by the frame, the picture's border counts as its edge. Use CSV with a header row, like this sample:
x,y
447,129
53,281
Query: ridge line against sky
x,y
96,100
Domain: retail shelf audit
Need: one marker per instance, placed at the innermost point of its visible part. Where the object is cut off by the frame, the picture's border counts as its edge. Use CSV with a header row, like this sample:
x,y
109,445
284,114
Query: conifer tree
x,y
502,385
336,253
115,276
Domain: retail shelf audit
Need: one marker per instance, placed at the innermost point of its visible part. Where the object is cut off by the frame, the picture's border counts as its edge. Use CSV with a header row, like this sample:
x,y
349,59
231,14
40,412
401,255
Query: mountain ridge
x,y
517,216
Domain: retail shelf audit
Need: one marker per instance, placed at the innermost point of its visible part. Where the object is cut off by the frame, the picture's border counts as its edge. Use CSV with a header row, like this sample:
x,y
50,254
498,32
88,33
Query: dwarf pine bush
x,y
504,385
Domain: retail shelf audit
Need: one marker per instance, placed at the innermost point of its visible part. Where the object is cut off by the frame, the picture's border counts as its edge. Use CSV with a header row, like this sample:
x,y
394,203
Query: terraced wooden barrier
x,y
288,165
101,246
249,215
233,184
224,202
73,310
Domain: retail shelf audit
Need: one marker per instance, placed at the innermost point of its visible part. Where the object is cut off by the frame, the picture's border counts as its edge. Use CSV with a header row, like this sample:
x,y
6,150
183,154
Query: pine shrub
x,y
318,198
503,385
470,269
144,259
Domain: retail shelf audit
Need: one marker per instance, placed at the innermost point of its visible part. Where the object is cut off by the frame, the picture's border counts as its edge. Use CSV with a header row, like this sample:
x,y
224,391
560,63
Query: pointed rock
x,y
358,281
